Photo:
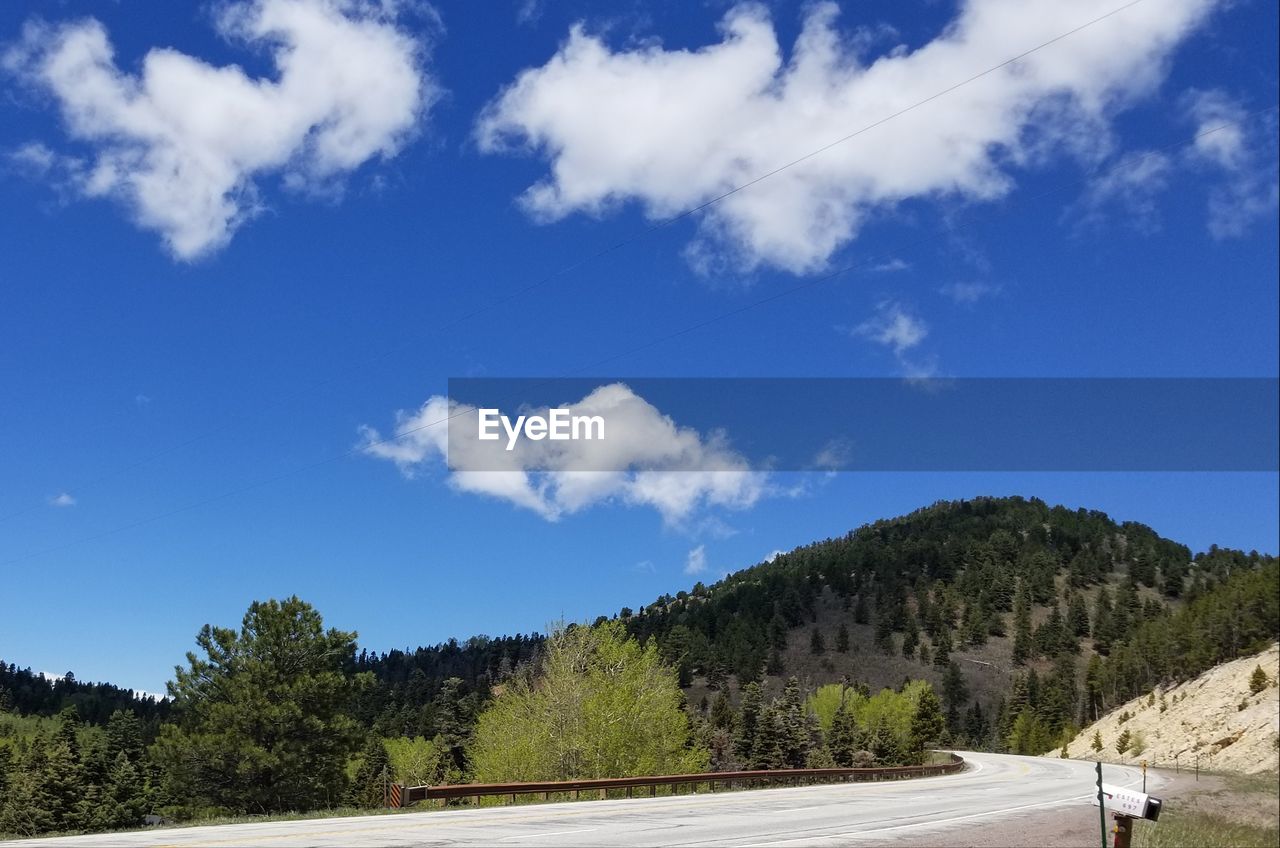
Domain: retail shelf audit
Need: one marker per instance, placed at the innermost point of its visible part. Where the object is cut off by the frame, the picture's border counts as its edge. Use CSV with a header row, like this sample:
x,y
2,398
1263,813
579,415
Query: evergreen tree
x,y
816,643
1077,614
797,738
955,694
975,725
843,739
942,649
1096,744
1258,680
722,712
749,722
369,788
927,724
263,715
842,638
1022,643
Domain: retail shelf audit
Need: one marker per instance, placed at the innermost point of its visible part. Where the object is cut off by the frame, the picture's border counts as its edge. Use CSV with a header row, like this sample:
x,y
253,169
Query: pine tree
x,y
1097,745
1022,645
975,725
778,632
798,736
368,789
1104,629
1077,614
954,694
928,723
942,649
1123,741
722,712
816,643
842,638
843,737
264,715
748,722
860,614
1258,680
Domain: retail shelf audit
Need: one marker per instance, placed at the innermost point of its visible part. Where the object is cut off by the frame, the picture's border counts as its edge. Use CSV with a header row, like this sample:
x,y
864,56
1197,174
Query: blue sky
x,y
189,361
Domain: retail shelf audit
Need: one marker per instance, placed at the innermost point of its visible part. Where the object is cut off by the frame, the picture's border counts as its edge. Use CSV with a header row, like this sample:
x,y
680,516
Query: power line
x,y
592,257
691,328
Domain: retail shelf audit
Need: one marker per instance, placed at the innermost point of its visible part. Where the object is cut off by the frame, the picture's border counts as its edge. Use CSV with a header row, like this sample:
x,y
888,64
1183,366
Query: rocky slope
x,y
1213,717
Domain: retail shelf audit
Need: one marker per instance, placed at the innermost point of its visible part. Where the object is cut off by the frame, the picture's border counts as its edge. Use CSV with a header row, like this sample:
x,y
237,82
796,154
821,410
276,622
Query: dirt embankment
x,y
1215,718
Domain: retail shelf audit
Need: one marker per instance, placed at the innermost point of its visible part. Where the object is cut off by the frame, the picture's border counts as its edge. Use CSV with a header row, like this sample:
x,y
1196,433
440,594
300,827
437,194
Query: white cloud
x,y
1243,151
968,292
646,459
696,561
183,143
62,499
773,555
893,327
673,129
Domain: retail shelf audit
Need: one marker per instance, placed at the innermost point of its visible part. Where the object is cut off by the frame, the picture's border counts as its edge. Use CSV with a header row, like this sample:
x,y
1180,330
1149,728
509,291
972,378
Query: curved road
x,y
992,786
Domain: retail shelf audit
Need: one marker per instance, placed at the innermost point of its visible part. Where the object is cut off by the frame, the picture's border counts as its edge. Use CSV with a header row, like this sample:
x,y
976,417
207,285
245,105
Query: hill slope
x,y
1198,718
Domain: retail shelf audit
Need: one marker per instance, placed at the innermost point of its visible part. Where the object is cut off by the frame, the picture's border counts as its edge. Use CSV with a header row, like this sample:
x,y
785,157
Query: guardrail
x,y
729,779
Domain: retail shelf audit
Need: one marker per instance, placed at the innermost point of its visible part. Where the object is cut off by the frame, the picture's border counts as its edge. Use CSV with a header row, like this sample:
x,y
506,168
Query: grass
x,y
1181,829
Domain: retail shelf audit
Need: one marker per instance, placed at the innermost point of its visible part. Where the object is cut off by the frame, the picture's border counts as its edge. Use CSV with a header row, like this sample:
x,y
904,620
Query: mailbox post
x,y
1126,807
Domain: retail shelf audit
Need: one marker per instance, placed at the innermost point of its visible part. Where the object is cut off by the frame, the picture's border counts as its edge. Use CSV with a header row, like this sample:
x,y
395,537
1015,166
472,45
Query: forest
x,y
997,624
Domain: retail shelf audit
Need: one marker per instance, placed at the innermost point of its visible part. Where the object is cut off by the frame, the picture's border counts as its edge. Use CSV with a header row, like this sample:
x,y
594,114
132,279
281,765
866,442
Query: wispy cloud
x,y
894,327
1243,153
696,561
890,266
62,499
968,293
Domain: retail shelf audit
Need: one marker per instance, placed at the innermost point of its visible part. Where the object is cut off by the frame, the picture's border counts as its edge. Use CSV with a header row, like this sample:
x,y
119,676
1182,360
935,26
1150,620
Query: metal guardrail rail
x,y
412,794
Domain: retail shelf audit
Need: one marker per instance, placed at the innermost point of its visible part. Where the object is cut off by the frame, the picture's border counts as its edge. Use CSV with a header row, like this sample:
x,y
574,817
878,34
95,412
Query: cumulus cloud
x,y
673,129
1243,154
62,499
184,143
696,561
645,459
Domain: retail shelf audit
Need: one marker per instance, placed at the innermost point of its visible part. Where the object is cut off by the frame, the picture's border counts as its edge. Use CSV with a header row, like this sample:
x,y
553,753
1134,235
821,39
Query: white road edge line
x,y
936,822
550,833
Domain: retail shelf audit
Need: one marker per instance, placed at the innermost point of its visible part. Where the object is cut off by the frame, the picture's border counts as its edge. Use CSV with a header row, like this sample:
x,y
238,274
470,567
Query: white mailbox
x,y
1129,802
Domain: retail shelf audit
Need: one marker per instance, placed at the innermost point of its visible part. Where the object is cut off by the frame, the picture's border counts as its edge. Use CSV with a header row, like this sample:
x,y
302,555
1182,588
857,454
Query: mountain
x,y
1008,604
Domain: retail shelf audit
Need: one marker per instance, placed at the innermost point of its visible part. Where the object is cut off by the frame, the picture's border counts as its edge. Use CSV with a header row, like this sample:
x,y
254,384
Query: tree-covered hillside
x,y
1054,612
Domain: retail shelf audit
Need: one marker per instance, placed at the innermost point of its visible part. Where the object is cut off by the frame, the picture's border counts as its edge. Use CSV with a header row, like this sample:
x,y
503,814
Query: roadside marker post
x,y
1102,807
1144,777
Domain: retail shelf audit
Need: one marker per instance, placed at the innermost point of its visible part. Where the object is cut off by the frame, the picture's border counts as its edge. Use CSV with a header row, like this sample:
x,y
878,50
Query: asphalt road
x,y
994,790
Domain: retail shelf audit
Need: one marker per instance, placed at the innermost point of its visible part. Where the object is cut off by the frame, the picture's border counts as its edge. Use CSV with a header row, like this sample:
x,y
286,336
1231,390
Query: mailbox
x,y
1129,802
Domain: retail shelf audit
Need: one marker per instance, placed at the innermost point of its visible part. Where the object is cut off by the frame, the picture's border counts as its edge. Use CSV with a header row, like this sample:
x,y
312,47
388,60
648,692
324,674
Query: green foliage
x,y
927,724
262,722
1123,742
599,706
1097,744
1258,680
